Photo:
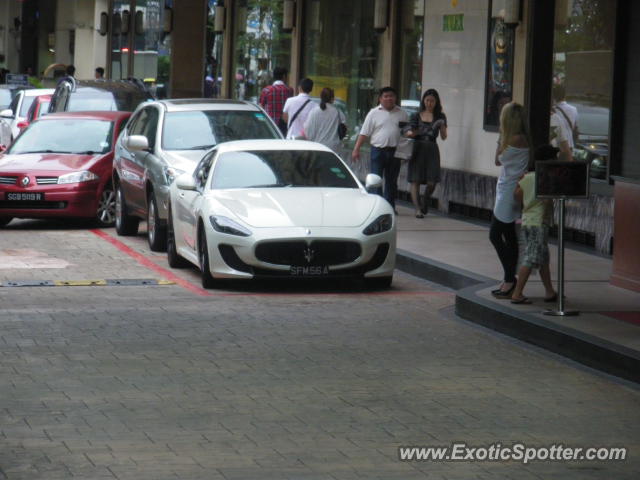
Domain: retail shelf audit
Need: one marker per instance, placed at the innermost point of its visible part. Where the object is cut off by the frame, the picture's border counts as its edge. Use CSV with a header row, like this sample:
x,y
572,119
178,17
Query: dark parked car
x,y
98,95
593,140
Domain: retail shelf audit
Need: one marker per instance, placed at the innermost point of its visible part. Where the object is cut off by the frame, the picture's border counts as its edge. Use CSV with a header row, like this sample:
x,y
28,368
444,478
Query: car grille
x,y
46,180
29,205
319,252
8,180
376,261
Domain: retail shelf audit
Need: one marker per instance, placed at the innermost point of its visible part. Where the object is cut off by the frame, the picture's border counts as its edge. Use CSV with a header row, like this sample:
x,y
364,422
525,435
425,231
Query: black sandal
x,y
504,294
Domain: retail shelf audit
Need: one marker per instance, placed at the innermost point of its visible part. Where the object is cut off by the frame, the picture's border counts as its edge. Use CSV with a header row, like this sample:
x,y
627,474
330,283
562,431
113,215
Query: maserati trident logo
x,y
24,181
307,231
308,254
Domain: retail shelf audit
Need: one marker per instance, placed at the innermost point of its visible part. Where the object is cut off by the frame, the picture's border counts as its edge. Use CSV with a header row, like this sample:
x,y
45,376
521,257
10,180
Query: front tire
x,y
203,253
106,213
156,232
126,225
173,257
379,283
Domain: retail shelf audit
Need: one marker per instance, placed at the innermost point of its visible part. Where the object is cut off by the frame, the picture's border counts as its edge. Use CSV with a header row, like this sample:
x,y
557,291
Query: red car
x,y
60,166
39,107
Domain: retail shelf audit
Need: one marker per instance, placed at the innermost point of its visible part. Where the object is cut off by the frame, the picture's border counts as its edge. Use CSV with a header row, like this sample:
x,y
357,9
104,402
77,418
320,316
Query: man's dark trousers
x,y
384,163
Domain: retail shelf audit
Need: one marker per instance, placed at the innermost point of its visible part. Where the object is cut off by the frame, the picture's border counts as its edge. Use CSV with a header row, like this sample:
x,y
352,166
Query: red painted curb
x,y
145,262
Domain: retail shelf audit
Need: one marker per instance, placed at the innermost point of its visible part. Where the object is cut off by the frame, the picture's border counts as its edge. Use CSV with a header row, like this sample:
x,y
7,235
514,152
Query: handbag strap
x,y
566,117
297,113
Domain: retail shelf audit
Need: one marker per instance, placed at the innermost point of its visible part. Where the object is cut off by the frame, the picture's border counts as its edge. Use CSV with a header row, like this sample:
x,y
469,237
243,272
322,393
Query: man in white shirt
x,y
382,128
296,109
564,118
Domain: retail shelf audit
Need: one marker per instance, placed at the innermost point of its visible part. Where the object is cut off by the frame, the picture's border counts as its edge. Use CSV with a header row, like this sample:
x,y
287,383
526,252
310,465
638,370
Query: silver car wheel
x,y
151,221
107,207
118,208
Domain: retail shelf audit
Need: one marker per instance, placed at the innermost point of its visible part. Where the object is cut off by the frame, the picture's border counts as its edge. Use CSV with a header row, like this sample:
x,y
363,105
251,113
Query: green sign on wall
x,y
453,23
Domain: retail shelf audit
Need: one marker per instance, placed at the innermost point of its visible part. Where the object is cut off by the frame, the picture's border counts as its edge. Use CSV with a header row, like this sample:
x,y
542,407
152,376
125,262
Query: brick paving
x,y
156,382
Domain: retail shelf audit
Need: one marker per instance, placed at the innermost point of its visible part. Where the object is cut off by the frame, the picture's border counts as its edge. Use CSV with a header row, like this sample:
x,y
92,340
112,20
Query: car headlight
x,y
77,177
381,224
171,173
226,225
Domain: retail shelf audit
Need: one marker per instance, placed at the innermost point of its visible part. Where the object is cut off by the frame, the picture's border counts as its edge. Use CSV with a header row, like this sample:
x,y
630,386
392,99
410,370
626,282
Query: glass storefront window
x,y
213,65
260,46
411,49
583,68
137,29
120,39
341,51
147,39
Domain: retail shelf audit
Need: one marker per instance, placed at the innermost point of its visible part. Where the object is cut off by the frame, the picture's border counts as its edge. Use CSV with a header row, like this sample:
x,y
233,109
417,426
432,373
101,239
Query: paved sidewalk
x,y
606,333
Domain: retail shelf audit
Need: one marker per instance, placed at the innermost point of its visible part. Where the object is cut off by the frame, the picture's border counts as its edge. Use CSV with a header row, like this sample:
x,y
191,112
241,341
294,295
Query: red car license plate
x,y
24,196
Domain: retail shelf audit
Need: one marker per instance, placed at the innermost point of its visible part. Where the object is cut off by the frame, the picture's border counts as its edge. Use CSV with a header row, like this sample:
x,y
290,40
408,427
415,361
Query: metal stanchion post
x,y
561,312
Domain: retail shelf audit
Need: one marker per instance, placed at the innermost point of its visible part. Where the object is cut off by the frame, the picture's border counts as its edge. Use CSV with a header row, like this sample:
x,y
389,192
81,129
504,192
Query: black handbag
x,y
342,128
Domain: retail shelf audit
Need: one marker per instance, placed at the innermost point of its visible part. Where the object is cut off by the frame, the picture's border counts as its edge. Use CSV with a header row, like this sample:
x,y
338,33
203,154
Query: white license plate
x,y
24,196
310,271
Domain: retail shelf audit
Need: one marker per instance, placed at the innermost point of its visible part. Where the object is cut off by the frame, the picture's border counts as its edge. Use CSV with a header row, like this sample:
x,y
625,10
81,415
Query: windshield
x,y
44,108
103,100
5,98
85,103
281,168
200,130
593,121
26,104
65,136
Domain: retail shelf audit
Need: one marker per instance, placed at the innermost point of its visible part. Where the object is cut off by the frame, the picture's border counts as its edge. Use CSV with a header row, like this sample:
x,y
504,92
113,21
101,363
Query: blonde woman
x,y
512,155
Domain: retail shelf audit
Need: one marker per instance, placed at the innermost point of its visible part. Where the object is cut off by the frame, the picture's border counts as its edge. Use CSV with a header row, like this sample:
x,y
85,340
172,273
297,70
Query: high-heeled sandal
x,y
504,294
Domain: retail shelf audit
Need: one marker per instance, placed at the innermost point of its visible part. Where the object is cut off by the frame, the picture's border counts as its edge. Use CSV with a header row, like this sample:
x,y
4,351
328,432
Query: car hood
x,y
185,160
47,161
302,207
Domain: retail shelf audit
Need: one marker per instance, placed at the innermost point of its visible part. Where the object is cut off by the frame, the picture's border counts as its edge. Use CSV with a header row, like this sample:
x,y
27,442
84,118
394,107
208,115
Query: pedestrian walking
x,y
70,71
512,155
537,218
296,109
424,165
323,122
99,73
381,128
274,96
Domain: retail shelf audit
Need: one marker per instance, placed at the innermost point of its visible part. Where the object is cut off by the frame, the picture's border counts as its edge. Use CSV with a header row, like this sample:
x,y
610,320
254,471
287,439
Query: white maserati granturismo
x,y
279,208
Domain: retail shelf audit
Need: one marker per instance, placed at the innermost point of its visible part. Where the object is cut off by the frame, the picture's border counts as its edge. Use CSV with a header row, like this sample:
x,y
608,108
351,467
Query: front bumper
x,y
72,200
239,257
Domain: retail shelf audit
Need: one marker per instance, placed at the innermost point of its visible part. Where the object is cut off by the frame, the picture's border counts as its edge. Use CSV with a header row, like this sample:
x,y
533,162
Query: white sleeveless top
x,y
514,164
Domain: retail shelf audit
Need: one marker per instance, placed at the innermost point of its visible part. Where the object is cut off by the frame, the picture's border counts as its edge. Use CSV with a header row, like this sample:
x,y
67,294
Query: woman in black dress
x,y
424,165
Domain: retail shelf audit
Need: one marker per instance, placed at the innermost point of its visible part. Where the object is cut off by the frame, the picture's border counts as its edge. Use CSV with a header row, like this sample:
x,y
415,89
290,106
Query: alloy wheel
x,y
151,222
107,206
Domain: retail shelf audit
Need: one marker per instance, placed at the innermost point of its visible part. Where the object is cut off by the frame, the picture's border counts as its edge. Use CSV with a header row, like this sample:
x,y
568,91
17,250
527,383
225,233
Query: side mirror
x,y
136,142
185,182
373,181
7,113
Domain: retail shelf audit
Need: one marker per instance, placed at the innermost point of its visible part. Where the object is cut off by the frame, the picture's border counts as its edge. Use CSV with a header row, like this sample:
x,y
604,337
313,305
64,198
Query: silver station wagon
x,y
166,138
